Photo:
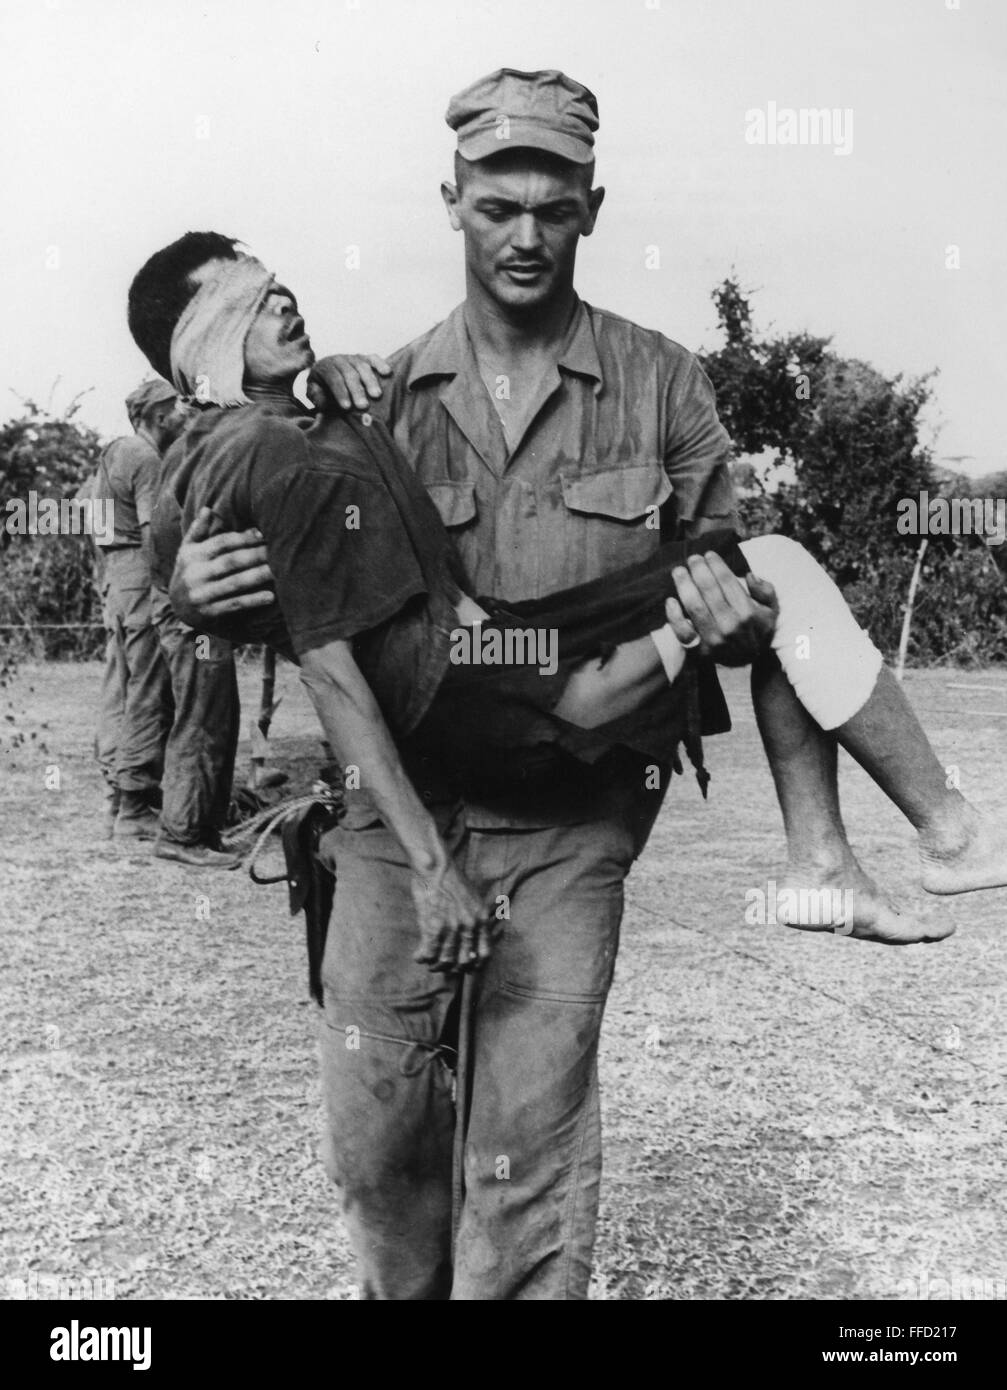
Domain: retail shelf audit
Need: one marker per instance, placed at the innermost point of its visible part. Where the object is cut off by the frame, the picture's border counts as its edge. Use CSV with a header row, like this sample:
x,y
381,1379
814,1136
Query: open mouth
x,y
295,332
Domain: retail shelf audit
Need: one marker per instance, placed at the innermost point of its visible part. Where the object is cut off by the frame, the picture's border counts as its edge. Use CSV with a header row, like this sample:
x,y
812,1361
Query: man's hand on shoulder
x,y
347,381
733,623
219,574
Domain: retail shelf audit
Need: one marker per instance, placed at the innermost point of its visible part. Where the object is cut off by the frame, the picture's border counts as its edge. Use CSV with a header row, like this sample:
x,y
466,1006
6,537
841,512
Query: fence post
x,y
907,619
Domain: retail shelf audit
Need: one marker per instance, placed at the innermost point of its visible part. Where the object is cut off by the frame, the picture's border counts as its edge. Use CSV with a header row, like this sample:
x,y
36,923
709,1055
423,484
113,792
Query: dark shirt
x,y
354,543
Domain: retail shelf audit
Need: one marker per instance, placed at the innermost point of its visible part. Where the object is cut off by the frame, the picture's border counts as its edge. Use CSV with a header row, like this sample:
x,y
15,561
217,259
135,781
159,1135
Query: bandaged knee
x,y
826,655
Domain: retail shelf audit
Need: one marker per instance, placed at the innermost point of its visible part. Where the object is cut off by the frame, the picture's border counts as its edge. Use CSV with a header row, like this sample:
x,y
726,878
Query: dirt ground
x,y
788,1115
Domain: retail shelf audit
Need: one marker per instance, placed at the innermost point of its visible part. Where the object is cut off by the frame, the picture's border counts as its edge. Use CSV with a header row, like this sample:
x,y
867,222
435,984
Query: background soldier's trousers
x,y
146,711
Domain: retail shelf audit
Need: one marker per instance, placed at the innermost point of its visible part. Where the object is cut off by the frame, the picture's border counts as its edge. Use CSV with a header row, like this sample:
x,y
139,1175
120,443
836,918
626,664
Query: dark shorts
x,y
492,725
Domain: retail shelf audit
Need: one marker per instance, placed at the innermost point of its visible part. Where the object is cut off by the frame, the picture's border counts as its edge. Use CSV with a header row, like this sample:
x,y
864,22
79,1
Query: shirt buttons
x,y
366,419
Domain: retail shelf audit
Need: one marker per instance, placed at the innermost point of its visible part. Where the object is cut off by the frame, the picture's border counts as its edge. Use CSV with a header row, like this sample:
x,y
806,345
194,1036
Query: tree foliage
x,y
833,445
51,454
46,580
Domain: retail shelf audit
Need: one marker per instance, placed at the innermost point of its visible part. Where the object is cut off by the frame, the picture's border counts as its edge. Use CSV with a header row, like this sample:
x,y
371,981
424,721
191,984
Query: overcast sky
x,y
306,127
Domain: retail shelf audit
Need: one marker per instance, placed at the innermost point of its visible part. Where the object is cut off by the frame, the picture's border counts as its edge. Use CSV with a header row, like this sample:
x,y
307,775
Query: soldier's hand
x,y
456,928
347,380
733,622
219,574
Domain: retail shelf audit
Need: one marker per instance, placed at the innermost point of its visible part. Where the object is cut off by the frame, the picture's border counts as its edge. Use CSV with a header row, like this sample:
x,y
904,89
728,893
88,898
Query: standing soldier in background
x,y
114,676
168,720
127,478
198,736
168,727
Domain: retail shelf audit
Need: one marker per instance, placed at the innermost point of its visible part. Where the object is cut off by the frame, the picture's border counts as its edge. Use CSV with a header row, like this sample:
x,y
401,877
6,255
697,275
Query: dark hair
x,y
162,288
506,156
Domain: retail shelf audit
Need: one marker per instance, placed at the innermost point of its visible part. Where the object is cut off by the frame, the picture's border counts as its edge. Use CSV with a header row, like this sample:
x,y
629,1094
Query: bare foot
x,y
975,858
846,901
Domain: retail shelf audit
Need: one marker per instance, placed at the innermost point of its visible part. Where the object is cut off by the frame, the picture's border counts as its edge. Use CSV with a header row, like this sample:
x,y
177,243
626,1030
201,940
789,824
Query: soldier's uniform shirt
x,y
627,432
127,476
626,449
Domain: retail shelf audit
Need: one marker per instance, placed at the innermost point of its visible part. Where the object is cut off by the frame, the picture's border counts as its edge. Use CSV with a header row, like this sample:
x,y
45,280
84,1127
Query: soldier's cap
x,y
532,110
148,394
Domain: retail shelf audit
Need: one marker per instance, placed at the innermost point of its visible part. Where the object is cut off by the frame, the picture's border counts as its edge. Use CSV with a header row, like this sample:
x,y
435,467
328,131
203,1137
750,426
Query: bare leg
x,y
802,758
960,850
838,677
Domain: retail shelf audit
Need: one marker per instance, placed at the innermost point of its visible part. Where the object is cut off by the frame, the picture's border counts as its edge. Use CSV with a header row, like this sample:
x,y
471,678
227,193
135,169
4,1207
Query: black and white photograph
x,y
503,664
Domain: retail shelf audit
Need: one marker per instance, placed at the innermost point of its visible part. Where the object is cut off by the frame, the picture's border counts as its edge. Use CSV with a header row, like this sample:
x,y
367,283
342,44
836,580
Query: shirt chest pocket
x,y
611,518
619,494
456,502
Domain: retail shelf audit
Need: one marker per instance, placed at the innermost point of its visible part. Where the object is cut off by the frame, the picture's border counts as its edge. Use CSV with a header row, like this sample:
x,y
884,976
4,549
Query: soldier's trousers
x,y
199,755
146,714
533,1147
112,705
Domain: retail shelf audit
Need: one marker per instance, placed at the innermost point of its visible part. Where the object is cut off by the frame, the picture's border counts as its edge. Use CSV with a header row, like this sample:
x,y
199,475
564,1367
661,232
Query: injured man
x,y
418,682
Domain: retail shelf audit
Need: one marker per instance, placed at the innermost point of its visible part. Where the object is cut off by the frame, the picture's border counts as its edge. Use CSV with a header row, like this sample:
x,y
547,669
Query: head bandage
x,y
208,344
